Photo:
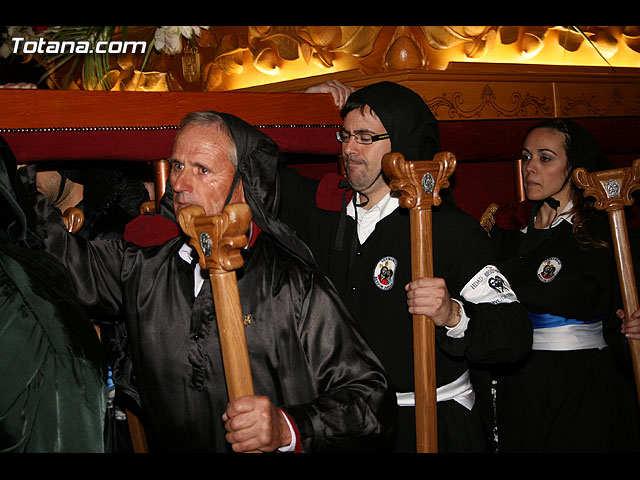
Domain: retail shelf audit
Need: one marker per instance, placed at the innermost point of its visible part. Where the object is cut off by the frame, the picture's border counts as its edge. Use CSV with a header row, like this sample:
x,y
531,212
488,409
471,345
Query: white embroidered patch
x,y
548,269
384,273
488,286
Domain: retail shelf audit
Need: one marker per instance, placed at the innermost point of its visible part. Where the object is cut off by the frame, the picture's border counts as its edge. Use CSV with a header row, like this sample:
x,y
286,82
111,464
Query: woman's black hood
x,y
258,161
584,151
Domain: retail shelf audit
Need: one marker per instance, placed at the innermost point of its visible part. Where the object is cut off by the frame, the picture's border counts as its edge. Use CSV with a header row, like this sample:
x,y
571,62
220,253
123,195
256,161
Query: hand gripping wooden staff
x,y
612,190
218,240
419,183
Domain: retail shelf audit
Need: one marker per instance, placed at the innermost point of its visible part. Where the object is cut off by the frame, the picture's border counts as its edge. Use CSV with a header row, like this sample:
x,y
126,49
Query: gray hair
x,y
214,120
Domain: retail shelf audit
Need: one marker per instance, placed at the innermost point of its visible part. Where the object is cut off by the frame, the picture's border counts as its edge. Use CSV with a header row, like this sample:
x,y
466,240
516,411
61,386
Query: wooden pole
x,y
138,435
161,169
612,190
518,181
419,183
219,240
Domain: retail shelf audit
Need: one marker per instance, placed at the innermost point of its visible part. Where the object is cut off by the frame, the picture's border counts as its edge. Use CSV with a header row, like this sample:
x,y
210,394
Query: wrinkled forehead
x,y
203,131
203,141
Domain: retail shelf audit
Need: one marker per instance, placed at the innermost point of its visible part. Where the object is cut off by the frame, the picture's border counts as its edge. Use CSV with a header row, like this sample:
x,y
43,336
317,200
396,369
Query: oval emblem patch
x,y
385,273
548,269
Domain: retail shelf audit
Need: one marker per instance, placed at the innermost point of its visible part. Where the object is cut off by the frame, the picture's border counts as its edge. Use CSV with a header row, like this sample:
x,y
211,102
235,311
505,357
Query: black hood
x,y
584,150
258,161
14,220
413,128
19,224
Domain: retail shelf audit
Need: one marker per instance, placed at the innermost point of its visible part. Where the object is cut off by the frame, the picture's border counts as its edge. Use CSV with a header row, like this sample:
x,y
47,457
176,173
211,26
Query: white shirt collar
x,y
367,219
564,215
185,253
198,280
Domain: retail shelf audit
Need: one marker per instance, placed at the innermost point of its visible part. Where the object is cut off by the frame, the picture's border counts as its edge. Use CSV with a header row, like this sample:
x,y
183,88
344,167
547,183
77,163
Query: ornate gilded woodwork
x,y
462,72
460,105
221,58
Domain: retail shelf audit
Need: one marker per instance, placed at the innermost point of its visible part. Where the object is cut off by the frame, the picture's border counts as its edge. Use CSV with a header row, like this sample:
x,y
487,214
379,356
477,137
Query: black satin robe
x,y
305,354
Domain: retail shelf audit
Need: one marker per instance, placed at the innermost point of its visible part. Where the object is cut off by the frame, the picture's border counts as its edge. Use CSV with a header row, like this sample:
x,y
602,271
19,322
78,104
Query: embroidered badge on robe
x,y
384,273
548,269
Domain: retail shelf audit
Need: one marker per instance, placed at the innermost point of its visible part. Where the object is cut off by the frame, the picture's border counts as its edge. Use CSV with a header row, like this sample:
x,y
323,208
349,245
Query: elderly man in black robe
x,y
318,387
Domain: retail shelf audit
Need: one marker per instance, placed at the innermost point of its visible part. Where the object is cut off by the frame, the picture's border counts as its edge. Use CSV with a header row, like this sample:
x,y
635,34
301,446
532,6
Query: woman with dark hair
x,y
574,392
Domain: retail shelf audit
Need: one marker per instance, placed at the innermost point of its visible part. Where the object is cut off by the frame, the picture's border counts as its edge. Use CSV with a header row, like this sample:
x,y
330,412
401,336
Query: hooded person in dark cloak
x,y
356,229
109,197
574,392
321,387
52,371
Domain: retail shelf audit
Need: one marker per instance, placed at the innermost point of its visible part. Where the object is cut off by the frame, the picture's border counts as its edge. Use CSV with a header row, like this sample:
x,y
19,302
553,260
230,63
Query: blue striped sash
x,y
546,320
551,332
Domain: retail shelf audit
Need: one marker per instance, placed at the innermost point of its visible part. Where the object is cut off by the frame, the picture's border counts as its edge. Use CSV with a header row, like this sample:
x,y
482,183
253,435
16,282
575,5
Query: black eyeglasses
x,y
362,138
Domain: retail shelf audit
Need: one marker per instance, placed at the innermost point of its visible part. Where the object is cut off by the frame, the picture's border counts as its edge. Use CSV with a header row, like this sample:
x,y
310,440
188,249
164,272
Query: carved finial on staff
x,y
73,219
218,239
612,189
419,182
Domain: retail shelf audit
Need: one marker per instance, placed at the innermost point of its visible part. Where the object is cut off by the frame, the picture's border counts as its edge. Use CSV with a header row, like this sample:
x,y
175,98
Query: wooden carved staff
x,y
419,183
612,190
219,240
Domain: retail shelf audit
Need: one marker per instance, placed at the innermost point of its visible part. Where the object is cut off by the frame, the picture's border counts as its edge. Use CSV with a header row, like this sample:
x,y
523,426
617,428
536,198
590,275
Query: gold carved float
x,y
462,72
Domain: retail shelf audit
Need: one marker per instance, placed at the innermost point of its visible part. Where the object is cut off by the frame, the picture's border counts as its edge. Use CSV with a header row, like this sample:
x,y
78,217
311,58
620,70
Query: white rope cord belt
x,y
459,390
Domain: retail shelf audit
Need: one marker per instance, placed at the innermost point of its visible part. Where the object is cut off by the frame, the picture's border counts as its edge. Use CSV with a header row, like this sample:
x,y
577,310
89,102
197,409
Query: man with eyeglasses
x,y
361,238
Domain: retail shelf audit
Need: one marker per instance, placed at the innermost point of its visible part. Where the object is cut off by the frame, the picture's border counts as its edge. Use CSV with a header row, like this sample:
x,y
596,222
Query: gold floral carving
x,y
376,49
476,40
270,47
524,105
232,57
